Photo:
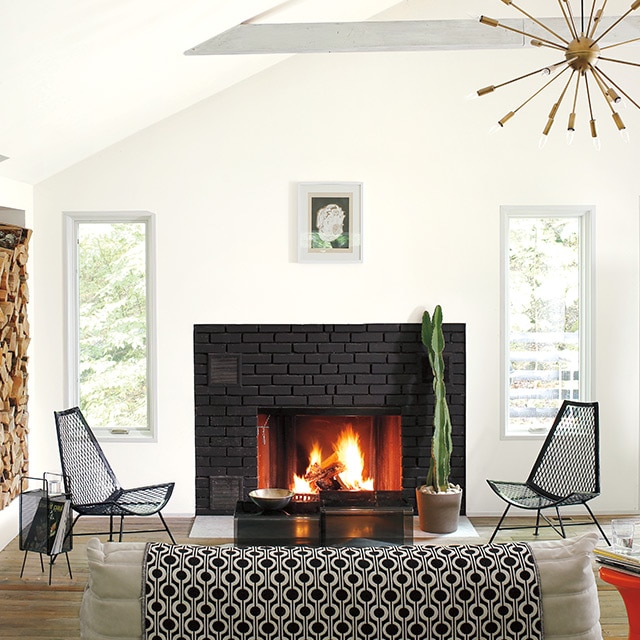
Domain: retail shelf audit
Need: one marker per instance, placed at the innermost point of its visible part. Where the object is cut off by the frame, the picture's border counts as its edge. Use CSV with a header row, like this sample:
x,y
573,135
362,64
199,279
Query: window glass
x,y
546,318
111,320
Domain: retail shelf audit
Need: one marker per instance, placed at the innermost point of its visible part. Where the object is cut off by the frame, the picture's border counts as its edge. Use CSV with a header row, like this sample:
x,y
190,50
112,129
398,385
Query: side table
x,y
629,587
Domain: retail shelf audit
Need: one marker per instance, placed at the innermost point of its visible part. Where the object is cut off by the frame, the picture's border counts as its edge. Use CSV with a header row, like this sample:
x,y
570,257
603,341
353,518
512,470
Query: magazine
x,y
627,562
49,527
62,530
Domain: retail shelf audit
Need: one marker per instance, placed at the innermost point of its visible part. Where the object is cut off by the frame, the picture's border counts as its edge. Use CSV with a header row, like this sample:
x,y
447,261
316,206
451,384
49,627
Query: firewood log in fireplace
x,y
324,475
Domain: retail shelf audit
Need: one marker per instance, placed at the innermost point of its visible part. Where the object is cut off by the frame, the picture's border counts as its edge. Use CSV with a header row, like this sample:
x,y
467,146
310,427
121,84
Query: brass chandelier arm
x,y
617,119
631,64
591,16
568,18
586,84
566,86
493,87
618,87
617,44
556,106
495,23
575,95
598,16
530,98
572,116
538,22
634,6
596,23
539,43
592,121
602,87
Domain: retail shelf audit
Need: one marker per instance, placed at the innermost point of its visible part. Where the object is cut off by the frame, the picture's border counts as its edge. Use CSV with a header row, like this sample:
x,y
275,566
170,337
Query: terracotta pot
x,y
438,512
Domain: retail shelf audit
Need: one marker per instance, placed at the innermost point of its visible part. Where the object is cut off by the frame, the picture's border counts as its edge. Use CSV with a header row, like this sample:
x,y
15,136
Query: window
x,y
111,364
546,254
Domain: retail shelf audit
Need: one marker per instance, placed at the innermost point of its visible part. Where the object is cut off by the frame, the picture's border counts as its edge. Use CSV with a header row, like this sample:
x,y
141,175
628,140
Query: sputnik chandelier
x,y
582,53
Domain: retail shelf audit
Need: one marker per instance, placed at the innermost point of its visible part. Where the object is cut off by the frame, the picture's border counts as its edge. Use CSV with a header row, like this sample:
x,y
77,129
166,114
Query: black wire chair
x,y
92,484
566,472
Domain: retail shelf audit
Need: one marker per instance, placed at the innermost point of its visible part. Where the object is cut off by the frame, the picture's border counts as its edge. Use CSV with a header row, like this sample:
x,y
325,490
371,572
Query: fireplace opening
x,y
315,451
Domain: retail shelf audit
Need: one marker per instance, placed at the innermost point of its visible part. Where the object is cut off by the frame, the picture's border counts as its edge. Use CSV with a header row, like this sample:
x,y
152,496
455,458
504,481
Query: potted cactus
x,y
438,501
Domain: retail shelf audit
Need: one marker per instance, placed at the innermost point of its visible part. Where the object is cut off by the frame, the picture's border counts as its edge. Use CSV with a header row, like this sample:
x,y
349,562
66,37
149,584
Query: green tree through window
x,y
110,366
112,314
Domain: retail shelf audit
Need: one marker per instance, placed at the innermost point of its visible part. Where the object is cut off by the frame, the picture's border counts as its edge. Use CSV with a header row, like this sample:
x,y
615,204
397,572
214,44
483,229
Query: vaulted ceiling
x,y
79,75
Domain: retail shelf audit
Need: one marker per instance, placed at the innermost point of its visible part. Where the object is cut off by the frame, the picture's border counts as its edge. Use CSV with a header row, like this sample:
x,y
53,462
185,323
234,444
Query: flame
x,y
300,485
347,451
315,457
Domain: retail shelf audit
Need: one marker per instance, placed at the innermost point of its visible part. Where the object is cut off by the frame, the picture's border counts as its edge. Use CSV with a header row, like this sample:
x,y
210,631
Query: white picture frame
x,y
330,222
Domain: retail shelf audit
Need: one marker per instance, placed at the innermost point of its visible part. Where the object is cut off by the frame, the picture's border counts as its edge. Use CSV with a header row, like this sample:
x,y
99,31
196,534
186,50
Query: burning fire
x,y
343,469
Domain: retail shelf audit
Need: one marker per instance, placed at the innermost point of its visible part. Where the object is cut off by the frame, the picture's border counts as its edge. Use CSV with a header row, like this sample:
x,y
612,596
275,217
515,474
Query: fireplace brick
x,y
344,366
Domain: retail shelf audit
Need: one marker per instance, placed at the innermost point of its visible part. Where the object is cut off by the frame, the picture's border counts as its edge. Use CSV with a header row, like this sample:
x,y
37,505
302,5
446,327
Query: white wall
x,y
222,176
18,196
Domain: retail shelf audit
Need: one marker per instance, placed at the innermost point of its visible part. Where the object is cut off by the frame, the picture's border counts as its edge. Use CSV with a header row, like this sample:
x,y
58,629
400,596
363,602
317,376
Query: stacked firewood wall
x,y
14,341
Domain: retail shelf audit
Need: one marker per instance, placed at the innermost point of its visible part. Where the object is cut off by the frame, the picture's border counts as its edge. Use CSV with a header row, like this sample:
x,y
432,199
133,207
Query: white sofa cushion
x,y
569,591
111,605
112,600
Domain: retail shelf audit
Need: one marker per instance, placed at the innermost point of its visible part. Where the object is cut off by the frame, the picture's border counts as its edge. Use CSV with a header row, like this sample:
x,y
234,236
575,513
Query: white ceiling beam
x,y
401,35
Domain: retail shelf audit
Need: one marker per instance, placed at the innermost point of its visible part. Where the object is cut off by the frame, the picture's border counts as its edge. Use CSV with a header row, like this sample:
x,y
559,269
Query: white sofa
x,y
112,603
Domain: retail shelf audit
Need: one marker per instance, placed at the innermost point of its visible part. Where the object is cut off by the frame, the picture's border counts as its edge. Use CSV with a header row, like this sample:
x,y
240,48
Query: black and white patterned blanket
x,y
346,593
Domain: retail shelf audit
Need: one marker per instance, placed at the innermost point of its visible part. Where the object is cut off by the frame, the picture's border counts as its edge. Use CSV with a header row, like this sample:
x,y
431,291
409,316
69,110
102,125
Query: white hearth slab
x,y
222,527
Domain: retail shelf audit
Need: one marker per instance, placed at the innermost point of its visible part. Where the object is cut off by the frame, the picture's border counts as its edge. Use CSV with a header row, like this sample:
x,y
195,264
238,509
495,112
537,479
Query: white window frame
x,y
586,216
72,222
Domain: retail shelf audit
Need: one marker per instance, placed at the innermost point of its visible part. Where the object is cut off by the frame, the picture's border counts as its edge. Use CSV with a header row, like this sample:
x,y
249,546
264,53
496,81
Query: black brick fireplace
x,y
243,371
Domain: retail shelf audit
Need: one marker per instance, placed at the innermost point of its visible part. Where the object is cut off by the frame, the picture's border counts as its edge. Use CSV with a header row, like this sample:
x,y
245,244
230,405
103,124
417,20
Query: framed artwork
x,y
330,222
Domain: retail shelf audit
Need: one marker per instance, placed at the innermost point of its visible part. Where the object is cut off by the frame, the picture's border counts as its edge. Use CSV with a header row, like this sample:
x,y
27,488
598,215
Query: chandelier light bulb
x,y
613,96
583,54
570,135
624,134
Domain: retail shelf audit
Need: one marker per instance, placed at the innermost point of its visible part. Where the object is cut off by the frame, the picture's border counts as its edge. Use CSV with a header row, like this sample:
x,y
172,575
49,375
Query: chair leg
x,y
504,515
24,560
66,553
167,528
537,531
121,528
563,533
604,535
110,527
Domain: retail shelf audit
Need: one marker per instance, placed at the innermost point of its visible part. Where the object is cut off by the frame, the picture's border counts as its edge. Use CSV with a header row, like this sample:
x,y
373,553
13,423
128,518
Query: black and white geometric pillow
x,y
327,593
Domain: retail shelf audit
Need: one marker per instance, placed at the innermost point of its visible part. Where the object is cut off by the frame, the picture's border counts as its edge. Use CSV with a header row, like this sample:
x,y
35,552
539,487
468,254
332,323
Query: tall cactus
x,y
441,443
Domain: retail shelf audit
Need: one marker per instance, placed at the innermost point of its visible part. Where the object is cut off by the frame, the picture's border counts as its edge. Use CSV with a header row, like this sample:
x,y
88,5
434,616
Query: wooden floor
x,y
31,609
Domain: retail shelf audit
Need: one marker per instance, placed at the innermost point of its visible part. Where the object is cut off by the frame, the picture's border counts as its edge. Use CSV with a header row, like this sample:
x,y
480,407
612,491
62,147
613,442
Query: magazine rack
x,y
45,521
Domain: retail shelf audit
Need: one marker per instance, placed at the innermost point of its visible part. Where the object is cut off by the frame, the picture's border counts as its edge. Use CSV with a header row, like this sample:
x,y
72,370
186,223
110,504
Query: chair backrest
x,y
569,461
87,474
